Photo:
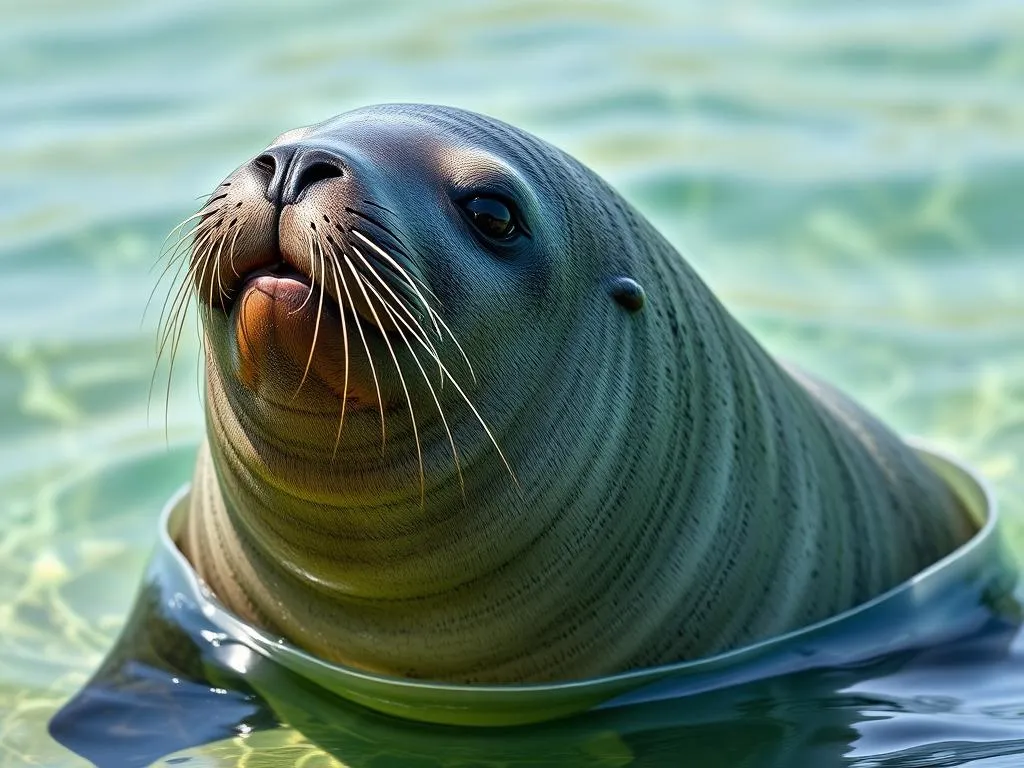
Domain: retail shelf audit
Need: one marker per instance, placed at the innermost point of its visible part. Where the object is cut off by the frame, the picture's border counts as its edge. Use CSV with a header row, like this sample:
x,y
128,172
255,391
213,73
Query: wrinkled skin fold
x,y
440,453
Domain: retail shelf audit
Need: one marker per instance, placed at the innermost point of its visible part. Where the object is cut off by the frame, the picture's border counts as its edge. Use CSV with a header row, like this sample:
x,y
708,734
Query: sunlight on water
x,y
849,178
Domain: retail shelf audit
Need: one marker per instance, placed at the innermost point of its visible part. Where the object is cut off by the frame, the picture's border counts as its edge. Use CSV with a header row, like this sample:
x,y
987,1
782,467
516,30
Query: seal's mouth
x,y
258,229
282,270
221,289
320,281
322,275
280,275
281,282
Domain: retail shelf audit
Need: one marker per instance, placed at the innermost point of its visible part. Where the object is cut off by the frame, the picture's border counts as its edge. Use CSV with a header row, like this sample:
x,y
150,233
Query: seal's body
x,y
471,418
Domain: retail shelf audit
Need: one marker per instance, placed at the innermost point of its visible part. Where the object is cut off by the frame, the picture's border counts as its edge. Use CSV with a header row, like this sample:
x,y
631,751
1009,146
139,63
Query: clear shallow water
x,y
848,177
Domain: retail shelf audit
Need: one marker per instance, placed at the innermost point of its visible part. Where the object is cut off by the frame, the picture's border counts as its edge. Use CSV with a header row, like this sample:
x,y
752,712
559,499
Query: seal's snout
x,y
297,212
294,168
311,279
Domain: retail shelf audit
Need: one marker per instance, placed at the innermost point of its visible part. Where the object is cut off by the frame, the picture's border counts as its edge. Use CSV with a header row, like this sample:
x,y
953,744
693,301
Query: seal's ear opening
x,y
628,293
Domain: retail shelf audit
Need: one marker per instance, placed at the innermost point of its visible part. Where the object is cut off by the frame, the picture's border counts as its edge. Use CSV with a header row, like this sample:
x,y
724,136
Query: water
x,y
847,176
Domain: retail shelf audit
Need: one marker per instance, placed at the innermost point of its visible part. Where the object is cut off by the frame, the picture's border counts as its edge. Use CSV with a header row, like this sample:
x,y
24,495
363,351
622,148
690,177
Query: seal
x,y
471,418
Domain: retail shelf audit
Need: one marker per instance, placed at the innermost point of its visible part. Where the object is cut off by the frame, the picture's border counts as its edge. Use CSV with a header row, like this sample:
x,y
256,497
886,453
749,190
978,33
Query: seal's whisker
x,y
231,250
178,253
389,289
401,377
200,378
398,322
178,305
174,254
200,257
217,263
344,341
173,301
378,205
181,245
376,222
480,419
200,214
153,384
424,338
410,279
181,262
397,237
208,194
458,346
208,261
435,317
198,244
461,392
188,256
178,248
366,347
319,309
179,319
410,320
397,244
197,215
392,267
312,279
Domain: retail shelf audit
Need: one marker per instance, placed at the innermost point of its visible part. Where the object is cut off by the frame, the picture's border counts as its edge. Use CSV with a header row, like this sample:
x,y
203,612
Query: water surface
x,y
847,176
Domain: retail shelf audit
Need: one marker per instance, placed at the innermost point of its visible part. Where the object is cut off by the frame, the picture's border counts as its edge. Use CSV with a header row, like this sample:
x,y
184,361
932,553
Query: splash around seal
x,y
470,418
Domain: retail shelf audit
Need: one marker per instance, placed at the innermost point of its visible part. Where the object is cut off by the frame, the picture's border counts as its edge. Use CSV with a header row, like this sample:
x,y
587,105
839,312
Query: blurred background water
x,y
849,177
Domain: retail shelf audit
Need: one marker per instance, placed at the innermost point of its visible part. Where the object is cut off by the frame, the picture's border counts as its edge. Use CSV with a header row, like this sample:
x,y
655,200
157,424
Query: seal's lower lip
x,y
283,283
288,287
282,271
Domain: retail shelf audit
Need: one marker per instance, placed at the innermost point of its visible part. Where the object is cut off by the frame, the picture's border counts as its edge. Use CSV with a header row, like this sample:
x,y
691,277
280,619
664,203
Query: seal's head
x,y
470,417
401,275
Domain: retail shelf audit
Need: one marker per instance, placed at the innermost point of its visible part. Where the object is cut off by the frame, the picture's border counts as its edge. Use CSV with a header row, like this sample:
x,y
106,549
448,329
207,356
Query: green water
x,y
849,177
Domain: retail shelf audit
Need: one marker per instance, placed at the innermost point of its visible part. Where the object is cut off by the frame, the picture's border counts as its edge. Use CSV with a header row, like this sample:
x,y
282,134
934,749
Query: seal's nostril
x,y
307,168
311,174
292,169
273,165
266,163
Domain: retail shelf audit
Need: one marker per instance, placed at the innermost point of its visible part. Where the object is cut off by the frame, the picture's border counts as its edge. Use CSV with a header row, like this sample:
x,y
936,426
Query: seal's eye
x,y
491,216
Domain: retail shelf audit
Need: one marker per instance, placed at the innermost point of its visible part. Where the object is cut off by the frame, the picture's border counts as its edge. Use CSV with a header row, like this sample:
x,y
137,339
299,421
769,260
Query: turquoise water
x,y
847,176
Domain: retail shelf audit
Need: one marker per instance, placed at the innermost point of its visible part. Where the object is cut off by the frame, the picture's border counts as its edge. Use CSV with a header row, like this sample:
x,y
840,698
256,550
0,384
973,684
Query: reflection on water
x,y
848,176
221,703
